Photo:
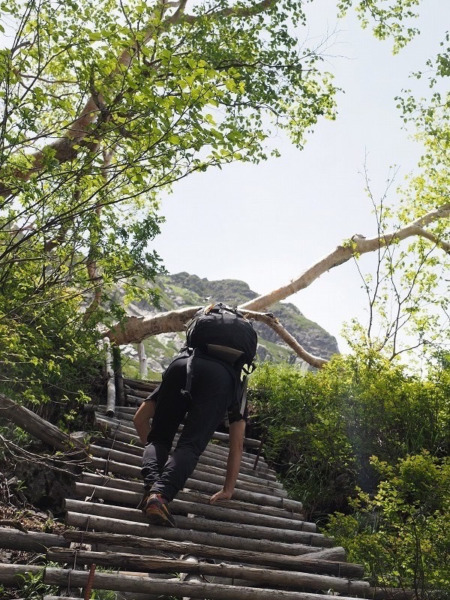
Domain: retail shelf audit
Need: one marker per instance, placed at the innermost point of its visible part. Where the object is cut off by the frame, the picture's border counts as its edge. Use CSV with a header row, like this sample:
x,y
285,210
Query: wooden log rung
x,y
119,582
62,598
110,466
270,577
209,458
233,512
120,429
212,450
12,575
32,541
202,472
181,508
200,498
121,526
305,563
224,437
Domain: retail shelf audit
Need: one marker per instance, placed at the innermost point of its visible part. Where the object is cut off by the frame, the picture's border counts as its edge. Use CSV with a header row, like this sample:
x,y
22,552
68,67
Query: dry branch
x,y
354,248
134,329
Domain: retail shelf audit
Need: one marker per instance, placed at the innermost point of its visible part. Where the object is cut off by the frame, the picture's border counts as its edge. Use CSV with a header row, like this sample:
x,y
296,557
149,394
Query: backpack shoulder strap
x,y
189,373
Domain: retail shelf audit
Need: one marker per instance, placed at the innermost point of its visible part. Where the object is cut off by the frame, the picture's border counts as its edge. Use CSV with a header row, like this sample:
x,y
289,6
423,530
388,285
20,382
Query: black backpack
x,y
223,332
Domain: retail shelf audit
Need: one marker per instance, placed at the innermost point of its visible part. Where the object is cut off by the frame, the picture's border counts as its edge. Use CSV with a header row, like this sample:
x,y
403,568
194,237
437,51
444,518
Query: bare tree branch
x,y
139,328
357,246
135,329
271,321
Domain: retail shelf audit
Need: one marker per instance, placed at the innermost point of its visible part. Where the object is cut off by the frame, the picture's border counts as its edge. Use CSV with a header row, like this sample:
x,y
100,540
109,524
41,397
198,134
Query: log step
x,y
269,577
213,451
327,562
181,508
32,541
12,575
202,472
129,583
223,437
110,466
61,598
257,546
197,504
192,496
119,430
185,532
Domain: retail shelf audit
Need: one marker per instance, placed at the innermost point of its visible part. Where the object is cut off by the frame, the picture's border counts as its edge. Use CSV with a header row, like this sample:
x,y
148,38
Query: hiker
x,y
202,385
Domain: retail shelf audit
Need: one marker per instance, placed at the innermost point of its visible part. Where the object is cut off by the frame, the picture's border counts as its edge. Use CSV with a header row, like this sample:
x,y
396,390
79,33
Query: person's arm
x,y
237,431
142,417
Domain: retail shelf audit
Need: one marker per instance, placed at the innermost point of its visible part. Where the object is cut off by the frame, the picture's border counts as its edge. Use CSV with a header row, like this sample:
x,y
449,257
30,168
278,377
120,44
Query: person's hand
x,y
222,495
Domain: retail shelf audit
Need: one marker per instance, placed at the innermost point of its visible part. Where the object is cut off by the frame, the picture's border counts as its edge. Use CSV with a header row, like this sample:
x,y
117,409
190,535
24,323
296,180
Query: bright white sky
x,y
265,224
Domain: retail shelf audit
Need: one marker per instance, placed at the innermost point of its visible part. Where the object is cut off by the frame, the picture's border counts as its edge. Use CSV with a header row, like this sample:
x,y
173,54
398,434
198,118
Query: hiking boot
x,y
157,511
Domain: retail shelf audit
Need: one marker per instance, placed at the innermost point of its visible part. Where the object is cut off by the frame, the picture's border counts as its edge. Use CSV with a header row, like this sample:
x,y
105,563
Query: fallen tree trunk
x,y
139,328
37,426
356,246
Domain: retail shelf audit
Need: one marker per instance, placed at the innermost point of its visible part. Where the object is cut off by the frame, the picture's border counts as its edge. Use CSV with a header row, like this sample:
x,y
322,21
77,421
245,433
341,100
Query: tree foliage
x,y
401,534
323,428
408,292
105,103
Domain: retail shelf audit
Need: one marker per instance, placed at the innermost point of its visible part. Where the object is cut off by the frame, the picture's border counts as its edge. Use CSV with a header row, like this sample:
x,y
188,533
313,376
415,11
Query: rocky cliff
x,y
183,290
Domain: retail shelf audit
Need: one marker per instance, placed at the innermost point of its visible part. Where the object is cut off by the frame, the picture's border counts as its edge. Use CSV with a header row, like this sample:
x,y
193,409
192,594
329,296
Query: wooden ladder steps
x,y
189,502
260,534
255,546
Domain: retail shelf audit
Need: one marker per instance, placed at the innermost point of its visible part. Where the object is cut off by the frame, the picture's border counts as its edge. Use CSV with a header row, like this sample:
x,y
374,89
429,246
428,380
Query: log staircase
x,y
256,546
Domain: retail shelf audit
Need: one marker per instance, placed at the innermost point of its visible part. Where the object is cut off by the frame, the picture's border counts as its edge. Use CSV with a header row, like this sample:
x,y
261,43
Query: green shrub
x,y
48,359
323,428
402,534
306,434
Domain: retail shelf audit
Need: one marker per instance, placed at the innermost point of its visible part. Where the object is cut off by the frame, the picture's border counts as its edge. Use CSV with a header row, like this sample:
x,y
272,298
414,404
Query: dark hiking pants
x,y
212,392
